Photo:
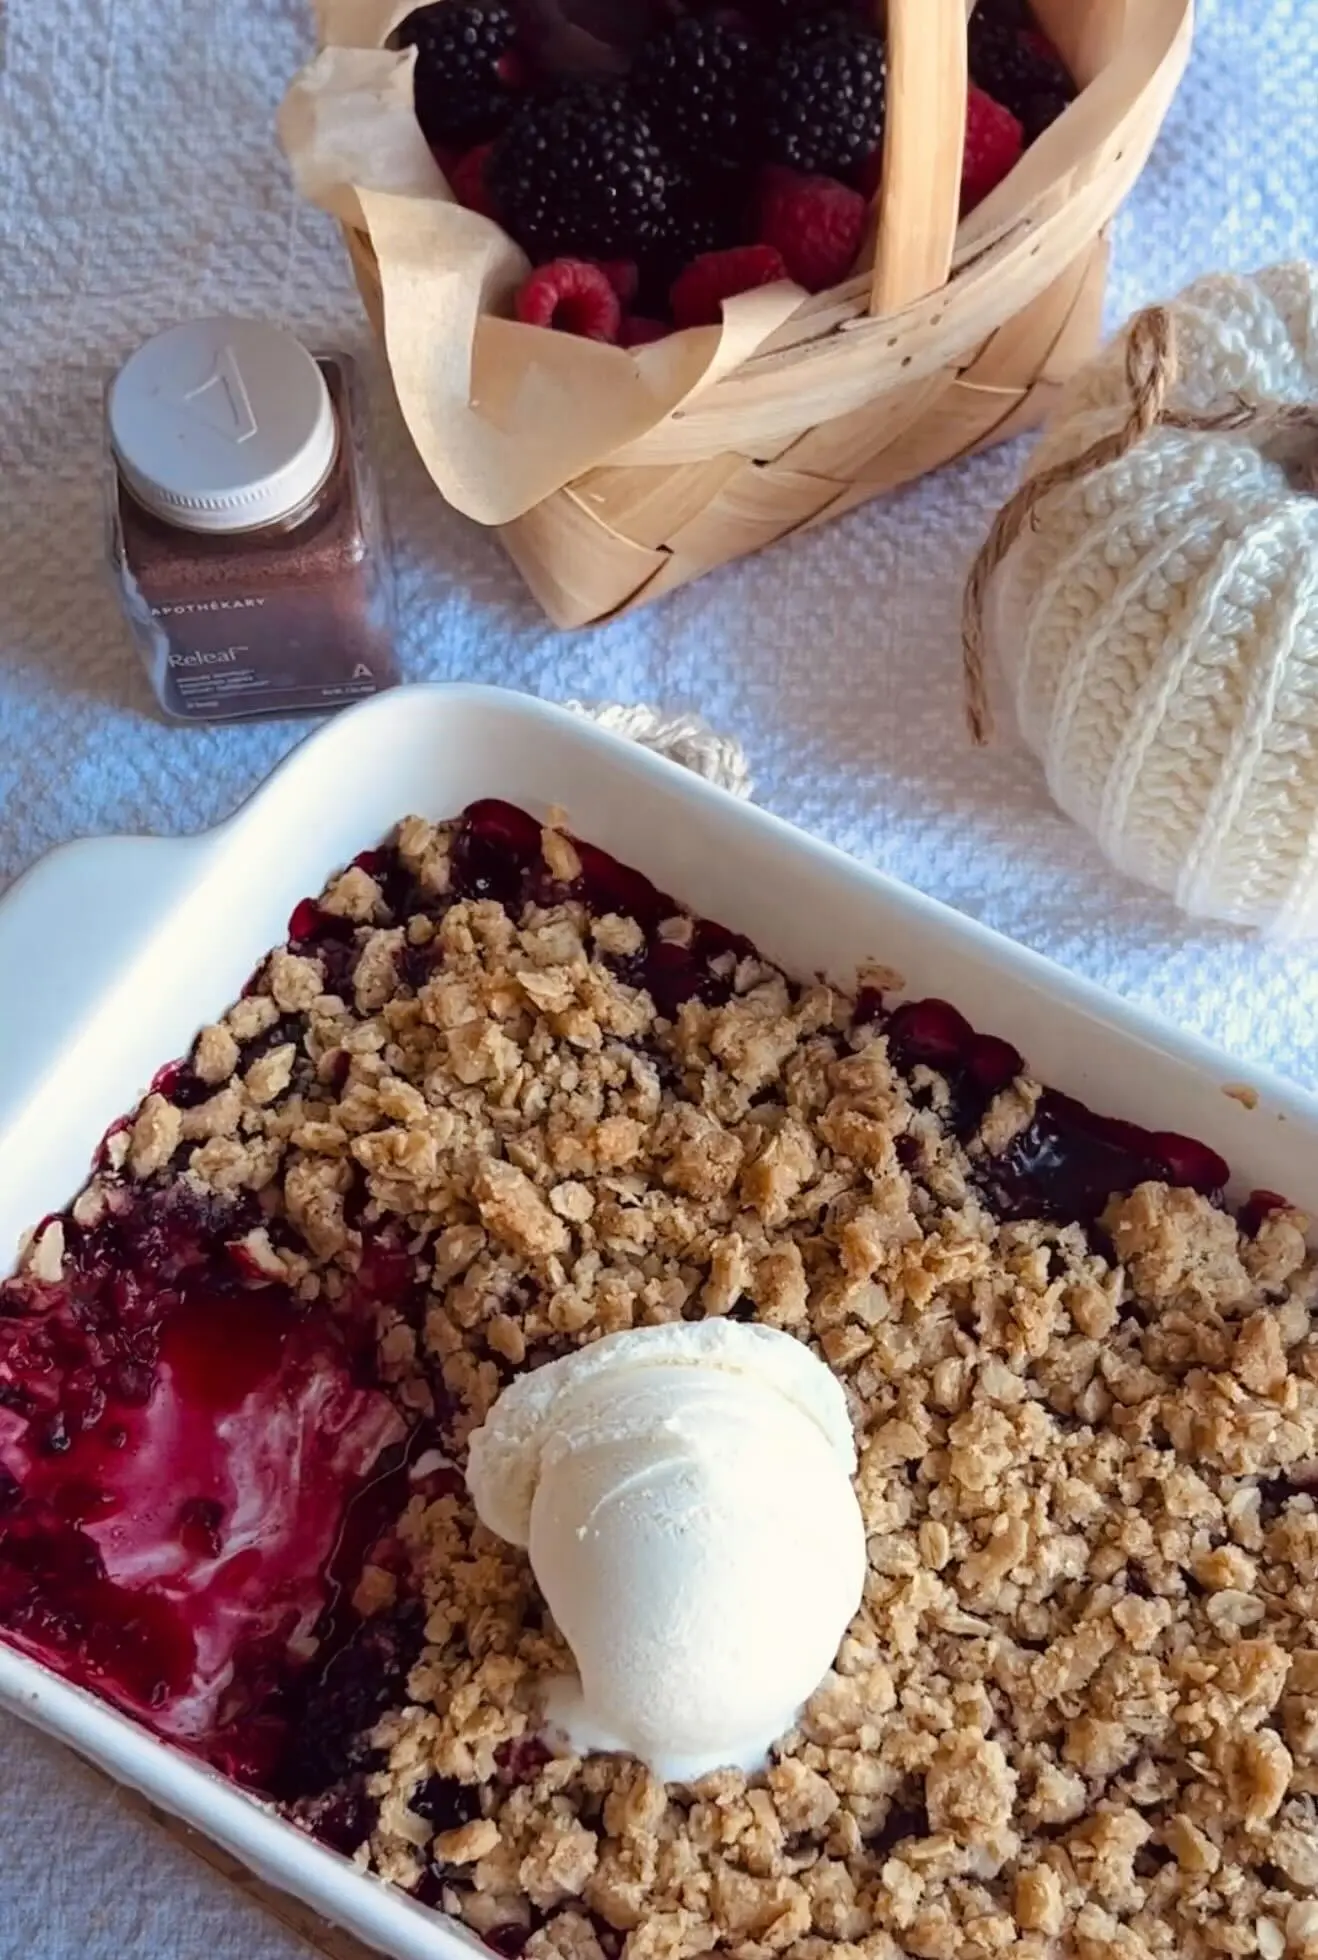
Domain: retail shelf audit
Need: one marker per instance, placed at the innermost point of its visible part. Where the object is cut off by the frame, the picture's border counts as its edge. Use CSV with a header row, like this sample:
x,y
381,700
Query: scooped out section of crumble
x,y
176,1461
498,1098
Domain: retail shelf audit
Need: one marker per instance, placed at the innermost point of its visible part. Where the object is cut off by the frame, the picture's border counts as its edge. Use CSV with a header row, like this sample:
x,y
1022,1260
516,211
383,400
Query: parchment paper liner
x,y
502,414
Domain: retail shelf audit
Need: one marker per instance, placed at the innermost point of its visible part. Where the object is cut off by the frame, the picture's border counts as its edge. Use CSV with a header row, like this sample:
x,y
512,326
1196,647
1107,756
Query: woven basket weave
x,y
957,337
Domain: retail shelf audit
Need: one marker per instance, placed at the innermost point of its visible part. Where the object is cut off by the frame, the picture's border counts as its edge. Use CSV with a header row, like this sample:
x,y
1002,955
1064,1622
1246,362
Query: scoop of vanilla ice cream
x,y
685,1496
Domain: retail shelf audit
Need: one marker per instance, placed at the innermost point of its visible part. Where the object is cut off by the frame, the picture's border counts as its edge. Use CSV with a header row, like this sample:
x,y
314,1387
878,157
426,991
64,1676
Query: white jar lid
x,y
222,425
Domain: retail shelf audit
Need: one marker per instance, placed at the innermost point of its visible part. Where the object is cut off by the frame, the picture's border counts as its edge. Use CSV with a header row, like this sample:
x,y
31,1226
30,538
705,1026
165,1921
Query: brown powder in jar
x,y
286,618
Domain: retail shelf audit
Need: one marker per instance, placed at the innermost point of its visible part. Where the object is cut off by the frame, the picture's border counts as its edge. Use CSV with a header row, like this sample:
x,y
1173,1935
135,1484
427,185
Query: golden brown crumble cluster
x,y
1077,1713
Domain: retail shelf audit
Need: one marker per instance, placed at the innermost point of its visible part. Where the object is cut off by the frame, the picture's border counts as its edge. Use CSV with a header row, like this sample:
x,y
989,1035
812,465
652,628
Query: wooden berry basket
x,y
956,336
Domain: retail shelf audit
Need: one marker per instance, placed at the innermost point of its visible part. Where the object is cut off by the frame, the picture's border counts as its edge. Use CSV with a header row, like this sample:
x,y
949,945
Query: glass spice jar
x,y
246,533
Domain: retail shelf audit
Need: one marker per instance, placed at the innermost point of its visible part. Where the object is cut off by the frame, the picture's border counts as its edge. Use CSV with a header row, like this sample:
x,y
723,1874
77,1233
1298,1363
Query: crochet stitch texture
x,y
1159,625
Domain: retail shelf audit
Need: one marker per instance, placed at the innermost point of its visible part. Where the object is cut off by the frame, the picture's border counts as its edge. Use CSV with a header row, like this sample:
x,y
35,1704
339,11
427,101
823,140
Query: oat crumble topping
x,y
1077,1712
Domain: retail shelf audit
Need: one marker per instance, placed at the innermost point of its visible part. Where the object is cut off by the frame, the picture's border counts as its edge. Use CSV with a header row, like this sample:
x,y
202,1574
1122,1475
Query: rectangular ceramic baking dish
x,y
114,951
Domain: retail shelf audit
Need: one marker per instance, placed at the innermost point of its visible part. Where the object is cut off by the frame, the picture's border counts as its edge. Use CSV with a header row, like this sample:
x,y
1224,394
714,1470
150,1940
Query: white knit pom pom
x,y
1157,619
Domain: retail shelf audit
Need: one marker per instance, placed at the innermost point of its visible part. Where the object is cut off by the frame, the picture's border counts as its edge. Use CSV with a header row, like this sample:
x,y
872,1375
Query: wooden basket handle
x,y
919,198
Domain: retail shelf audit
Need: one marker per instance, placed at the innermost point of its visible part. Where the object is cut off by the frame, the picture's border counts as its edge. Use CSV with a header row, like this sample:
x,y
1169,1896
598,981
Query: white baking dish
x,y
113,952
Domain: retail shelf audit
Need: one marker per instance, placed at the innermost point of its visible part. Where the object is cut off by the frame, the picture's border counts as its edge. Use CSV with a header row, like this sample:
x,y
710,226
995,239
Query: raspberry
x,y
869,175
994,141
816,224
699,292
638,331
623,276
572,295
467,181
707,212
1036,42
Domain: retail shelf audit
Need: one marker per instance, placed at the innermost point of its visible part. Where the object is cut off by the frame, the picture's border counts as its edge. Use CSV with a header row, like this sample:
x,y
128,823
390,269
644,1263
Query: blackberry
x,y
445,1803
507,1940
1039,111
464,85
343,1702
824,101
701,84
710,213
342,1817
582,175
1016,71
1005,13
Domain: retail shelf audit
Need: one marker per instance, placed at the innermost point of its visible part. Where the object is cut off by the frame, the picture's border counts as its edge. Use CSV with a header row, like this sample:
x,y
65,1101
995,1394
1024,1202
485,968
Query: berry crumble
x,y
497,1097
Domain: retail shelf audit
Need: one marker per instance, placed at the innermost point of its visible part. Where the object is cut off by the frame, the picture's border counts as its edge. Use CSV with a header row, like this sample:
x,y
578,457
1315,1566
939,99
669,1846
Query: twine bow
x,y
1285,431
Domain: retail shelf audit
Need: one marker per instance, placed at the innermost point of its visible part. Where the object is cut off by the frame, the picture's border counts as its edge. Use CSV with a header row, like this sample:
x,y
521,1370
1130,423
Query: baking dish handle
x,y
68,929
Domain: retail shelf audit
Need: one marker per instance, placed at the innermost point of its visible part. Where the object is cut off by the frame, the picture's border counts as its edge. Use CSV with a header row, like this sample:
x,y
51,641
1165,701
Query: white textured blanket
x,y
139,182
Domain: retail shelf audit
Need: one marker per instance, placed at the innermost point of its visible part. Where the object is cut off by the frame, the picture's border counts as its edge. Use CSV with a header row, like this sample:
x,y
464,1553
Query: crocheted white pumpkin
x,y
1158,624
